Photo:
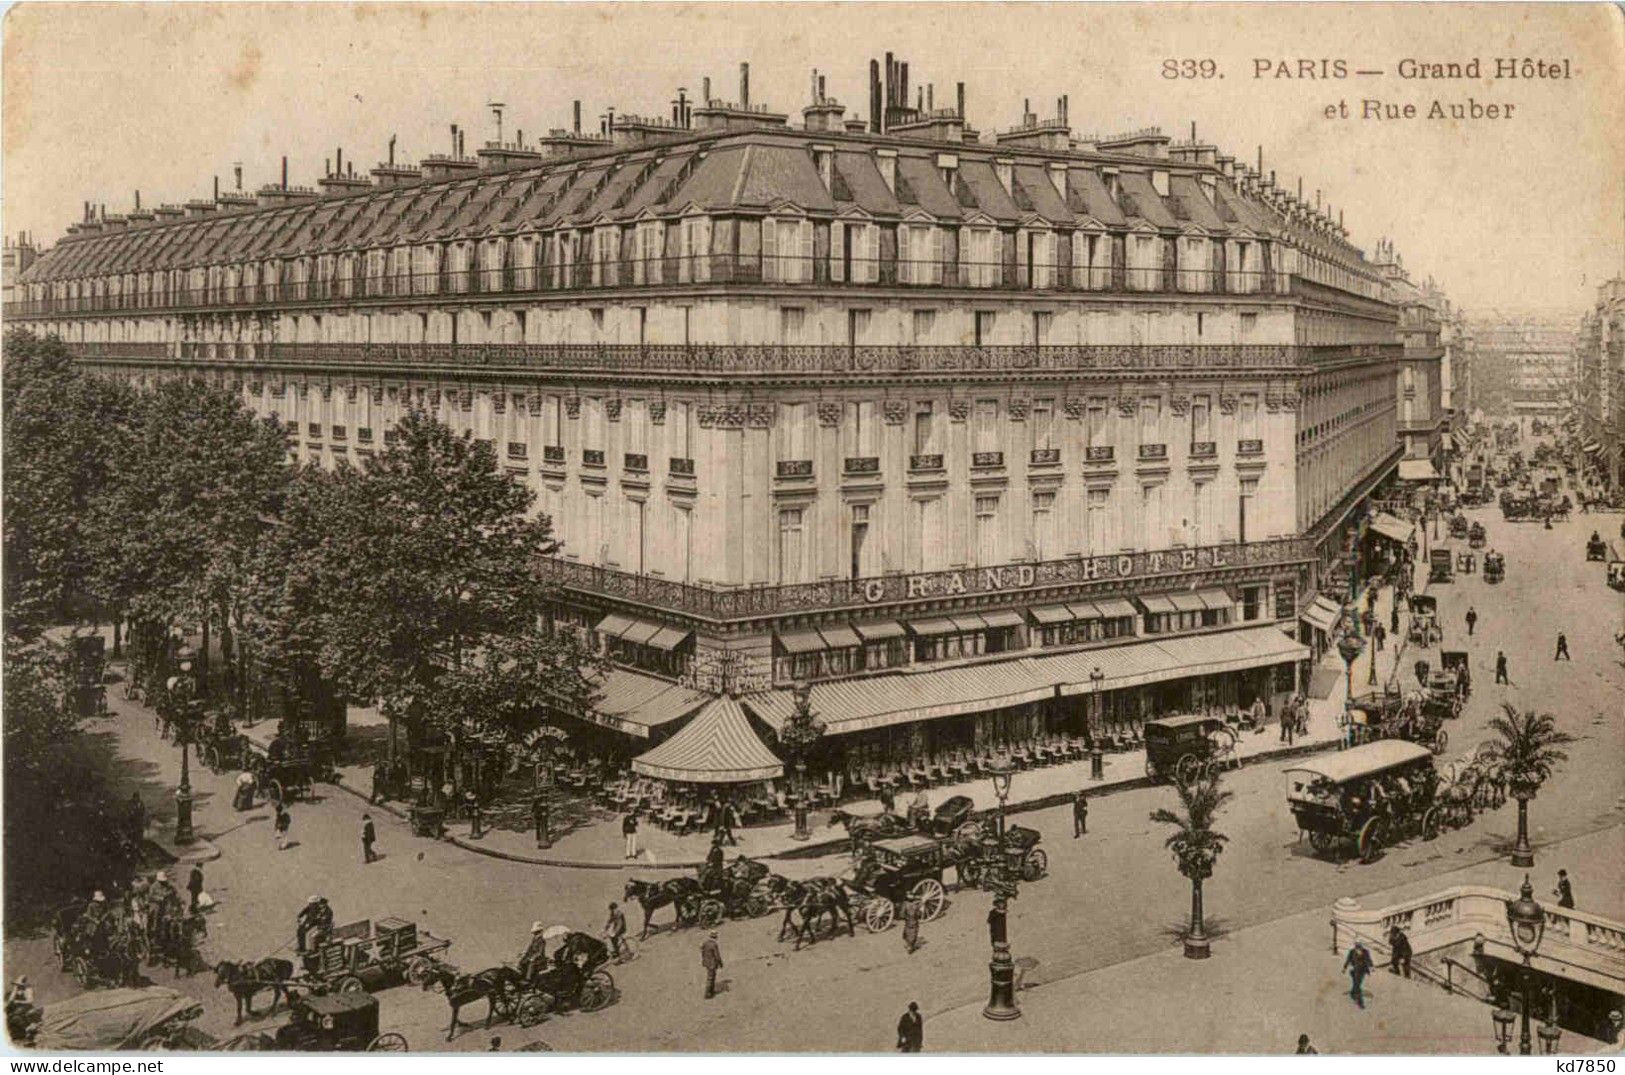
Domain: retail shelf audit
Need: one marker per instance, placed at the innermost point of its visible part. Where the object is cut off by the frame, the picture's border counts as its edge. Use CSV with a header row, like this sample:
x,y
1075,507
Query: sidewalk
x,y
1169,1004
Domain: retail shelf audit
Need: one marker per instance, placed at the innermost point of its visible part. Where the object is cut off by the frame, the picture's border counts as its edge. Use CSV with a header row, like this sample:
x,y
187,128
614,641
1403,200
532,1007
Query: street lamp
x,y
182,715
1526,920
1348,647
1097,769
1000,770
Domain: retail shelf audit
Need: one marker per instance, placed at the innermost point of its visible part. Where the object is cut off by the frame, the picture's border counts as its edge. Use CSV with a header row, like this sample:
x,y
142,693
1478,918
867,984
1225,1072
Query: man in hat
x,y
1399,949
711,960
1472,620
629,829
1358,964
369,836
1080,814
194,887
615,931
911,1030
711,874
1501,668
1304,1048
1564,891
315,917
534,960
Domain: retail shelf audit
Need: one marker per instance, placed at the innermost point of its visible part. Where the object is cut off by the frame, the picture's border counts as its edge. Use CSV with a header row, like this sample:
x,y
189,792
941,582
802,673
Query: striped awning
x,y
669,638
1592,448
1158,604
717,747
1322,613
1052,614
633,703
808,641
1113,608
879,629
1215,599
1187,602
1391,527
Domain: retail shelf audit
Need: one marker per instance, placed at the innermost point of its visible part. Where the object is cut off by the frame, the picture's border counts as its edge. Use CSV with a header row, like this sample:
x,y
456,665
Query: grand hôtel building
x,y
974,434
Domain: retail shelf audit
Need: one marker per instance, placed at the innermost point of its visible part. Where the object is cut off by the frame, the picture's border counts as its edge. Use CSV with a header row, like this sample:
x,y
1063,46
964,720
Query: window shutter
x,y
770,249
837,247
905,270
935,274
804,262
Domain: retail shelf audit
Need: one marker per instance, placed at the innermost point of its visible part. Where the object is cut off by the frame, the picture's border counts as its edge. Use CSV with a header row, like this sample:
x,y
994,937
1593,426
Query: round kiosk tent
x,y
717,747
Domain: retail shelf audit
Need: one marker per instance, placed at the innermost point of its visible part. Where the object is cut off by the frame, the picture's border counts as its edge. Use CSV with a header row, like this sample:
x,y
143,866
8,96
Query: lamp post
x,y
1526,920
183,714
1001,1003
1097,768
1348,647
798,735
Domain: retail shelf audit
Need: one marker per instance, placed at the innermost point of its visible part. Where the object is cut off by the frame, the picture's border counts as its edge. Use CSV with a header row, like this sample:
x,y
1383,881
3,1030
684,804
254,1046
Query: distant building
x,y
974,436
1600,395
1525,368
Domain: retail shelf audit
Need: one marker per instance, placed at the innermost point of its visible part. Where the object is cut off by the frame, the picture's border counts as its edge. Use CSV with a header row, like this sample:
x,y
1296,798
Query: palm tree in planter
x,y
796,736
1528,750
1195,845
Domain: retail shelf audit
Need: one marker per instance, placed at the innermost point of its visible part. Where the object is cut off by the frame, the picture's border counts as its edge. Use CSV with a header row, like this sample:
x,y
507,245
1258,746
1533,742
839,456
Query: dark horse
x,y
866,828
246,979
653,895
494,985
811,901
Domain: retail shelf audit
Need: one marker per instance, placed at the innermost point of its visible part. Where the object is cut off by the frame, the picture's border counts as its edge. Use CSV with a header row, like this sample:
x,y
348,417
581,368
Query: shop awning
x,y
1391,527
669,638
967,622
717,747
1007,618
1187,602
879,629
1052,614
1216,599
1113,608
1417,470
840,637
933,627
640,632
1158,604
613,625
1088,610
1322,614
899,698
633,703
808,641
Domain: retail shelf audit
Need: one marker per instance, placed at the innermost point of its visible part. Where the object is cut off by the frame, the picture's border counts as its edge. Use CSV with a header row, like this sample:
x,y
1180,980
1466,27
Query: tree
x,y
1528,750
60,425
1195,845
429,598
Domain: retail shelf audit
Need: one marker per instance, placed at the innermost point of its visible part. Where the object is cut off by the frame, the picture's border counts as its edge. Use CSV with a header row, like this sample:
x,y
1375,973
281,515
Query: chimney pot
x,y
284,173
960,90
744,86
705,90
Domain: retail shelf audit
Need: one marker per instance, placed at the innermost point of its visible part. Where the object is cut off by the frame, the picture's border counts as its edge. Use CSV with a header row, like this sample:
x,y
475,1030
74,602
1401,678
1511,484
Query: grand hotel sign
x,y
831,594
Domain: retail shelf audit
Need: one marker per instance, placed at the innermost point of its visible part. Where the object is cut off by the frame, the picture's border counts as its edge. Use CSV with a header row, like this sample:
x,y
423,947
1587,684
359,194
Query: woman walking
x,y
284,821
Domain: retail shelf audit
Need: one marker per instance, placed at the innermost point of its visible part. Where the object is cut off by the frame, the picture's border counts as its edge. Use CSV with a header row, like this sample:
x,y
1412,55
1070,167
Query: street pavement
x,y
1112,897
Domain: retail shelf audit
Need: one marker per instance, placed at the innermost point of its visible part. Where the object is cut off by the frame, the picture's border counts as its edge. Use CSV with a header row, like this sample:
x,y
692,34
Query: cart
x,y
1466,562
1495,567
575,979
1441,563
284,770
1477,536
1456,662
363,956
1182,747
325,1023
1365,797
949,816
1458,526
746,891
1596,548
1022,855
891,871
151,1017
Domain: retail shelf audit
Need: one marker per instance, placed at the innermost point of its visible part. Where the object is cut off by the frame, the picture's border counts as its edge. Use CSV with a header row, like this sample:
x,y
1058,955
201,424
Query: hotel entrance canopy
x,y
717,747
876,702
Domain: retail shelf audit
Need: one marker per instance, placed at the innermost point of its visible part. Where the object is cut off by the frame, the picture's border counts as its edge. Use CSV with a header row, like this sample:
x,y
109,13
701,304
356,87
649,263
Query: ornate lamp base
x,y
1001,1003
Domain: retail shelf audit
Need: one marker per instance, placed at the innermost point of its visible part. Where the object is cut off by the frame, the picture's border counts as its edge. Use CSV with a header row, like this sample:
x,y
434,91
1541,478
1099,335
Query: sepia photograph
x,y
813,528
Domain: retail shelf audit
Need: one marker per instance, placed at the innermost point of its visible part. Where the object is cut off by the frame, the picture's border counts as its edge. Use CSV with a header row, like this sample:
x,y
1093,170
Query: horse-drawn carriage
x,y
1458,526
1365,797
1442,563
359,957
744,890
1182,747
1596,548
1477,536
892,871
1495,567
325,1023
1375,717
573,978
151,1017
100,944
287,769
1424,629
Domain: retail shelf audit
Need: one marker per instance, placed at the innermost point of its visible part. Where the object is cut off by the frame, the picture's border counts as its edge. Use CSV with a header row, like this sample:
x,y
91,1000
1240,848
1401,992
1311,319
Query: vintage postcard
x,y
808,528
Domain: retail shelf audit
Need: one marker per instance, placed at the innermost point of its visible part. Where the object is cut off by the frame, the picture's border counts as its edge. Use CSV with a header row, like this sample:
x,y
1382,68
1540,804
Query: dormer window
x,y
1037,252
1091,261
824,161
646,252
979,256
693,249
854,252
787,250
1005,170
1195,268
919,254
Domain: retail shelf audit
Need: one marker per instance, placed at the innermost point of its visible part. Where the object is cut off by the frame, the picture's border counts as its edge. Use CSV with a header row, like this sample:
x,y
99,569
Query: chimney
x,y
338,160
820,87
284,173
874,96
744,86
216,188
237,172
391,151
454,140
138,201
705,92
902,84
930,96
960,90
577,127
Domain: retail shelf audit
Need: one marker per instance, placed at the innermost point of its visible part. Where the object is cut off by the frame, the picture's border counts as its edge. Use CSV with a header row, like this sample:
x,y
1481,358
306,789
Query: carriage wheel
x,y
711,912
1370,840
928,893
687,910
878,914
596,992
970,872
1187,769
307,787
503,1004
1440,741
351,983
387,1043
419,969
532,1010
758,903
1035,865
1430,823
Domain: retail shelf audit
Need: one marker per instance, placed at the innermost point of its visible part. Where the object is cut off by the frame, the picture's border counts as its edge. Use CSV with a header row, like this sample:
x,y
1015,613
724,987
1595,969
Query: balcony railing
x,y
681,467
635,461
986,460
1150,453
922,463
1204,449
553,453
661,271
1249,447
745,359
1044,457
1103,453
862,464
1106,572
592,457
795,468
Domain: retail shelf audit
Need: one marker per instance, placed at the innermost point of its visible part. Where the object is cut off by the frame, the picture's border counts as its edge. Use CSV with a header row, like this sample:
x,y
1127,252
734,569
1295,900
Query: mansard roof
x,y
744,171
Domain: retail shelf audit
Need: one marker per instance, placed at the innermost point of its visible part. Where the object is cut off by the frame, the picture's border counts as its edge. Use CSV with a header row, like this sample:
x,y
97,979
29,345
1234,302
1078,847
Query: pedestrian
x,y
194,887
911,925
1304,1048
1080,815
1564,891
888,801
629,829
1258,713
538,817
1379,634
1472,620
369,836
380,783
284,822
1501,668
1399,952
1301,704
471,803
615,931
911,1030
711,960
1289,719
1393,616
1358,964
1562,653
725,829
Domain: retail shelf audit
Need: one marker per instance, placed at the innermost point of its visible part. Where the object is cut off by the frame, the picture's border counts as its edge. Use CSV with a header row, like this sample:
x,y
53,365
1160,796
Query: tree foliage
x,y
1195,843
1528,749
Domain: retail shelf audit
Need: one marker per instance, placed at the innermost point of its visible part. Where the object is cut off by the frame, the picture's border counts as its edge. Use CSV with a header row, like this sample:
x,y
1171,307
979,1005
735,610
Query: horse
x,y
653,895
174,942
866,828
245,979
489,985
812,900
